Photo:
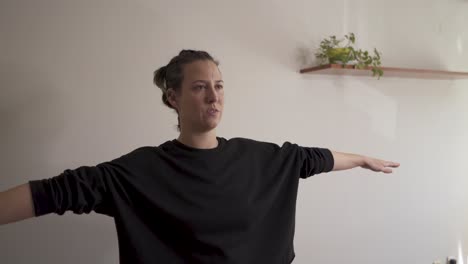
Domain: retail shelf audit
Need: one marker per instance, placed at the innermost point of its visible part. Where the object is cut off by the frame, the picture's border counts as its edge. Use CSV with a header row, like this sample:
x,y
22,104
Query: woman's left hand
x,y
379,165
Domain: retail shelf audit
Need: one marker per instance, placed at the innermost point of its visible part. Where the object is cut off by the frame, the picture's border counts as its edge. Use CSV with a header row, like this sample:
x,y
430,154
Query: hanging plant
x,y
330,52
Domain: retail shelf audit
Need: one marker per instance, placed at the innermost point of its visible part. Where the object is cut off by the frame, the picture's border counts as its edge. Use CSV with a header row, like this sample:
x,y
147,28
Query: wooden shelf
x,y
337,69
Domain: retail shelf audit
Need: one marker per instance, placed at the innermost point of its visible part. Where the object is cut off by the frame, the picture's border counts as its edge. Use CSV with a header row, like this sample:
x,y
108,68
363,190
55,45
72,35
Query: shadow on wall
x,y
305,57
31,116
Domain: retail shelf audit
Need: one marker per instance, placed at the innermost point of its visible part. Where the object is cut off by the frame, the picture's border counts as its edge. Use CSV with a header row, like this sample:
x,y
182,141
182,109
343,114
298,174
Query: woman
x,y
195,199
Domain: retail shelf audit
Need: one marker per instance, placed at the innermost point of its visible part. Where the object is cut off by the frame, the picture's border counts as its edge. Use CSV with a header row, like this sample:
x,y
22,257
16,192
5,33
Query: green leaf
x,y
332,51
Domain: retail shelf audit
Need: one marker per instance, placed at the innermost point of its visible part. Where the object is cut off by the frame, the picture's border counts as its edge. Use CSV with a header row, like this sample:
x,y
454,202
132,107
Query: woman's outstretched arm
x,y
344,161
16,204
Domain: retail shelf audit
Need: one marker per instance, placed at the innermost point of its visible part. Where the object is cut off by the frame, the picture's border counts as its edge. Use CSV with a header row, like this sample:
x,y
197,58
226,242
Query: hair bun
x,y
160,78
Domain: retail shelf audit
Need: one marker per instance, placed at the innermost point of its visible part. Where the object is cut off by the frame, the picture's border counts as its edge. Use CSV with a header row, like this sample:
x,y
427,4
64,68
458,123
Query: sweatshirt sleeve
x,y
314,161
81,190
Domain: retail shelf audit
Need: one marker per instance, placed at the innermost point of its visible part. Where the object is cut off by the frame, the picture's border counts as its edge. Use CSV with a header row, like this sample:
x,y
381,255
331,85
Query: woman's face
x,y
201,99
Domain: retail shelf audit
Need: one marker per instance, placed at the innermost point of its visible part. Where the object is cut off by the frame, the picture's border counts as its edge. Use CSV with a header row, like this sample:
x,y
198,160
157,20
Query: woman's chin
x,y
211,124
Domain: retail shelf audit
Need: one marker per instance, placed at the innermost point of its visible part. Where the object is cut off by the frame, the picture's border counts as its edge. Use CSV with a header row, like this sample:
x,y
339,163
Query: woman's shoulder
x,y
257,141
244,141
134,154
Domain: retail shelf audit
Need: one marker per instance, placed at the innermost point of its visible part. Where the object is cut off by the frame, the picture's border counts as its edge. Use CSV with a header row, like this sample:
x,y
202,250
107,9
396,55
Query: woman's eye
x,y
219,87
199,87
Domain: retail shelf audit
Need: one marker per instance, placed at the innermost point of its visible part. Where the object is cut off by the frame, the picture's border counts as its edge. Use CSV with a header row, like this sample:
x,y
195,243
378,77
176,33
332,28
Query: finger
x,y
392,164
387,170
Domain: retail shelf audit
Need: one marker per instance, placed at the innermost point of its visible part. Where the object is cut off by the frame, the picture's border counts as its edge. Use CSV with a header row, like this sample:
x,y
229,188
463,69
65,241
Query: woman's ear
x,y
171,98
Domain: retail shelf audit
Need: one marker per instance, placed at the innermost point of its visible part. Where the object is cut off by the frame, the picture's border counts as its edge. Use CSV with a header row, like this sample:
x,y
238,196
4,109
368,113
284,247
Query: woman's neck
x,y
201,141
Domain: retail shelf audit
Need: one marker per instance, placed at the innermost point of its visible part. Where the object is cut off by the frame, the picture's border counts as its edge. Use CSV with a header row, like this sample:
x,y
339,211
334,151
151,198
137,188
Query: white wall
x,y
76,89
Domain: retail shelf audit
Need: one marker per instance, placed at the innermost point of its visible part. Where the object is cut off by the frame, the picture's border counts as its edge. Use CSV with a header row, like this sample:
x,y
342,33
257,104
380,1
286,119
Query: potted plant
x,y
330,52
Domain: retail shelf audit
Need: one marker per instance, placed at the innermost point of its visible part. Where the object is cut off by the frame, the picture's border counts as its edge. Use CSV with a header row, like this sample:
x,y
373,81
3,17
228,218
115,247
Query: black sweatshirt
x,y
176,204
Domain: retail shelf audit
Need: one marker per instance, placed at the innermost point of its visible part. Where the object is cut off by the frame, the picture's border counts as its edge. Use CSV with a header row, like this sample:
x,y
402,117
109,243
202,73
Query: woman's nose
x,y
212,95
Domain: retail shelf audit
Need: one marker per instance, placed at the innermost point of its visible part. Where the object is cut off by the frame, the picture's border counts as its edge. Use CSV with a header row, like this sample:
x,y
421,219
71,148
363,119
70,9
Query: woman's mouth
x,y
212,111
